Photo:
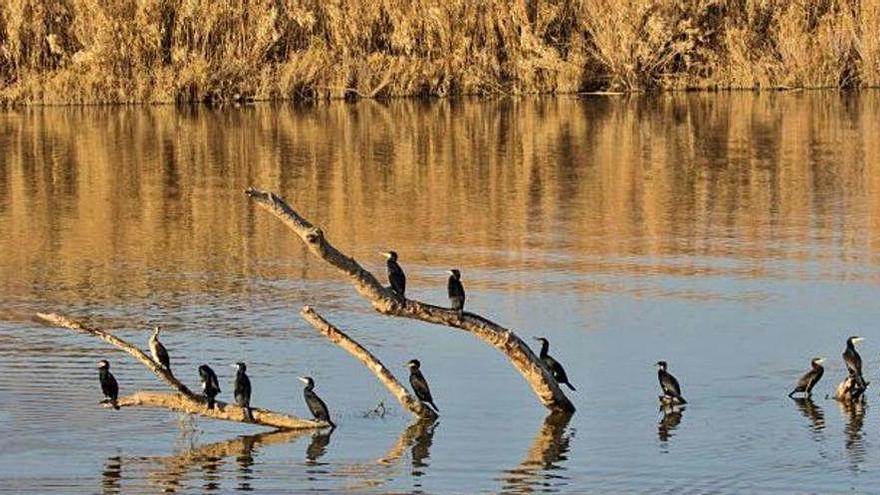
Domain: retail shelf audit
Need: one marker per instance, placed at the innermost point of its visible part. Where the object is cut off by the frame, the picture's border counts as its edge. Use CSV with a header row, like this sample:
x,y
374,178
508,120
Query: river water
x,y
733,235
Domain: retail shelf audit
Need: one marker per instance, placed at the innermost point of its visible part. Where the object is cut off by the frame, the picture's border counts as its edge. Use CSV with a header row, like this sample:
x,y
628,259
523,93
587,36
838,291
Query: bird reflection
x,y
112,475
318,446
423,435
811,411
245,461
854,414
669,422
209,458
539,471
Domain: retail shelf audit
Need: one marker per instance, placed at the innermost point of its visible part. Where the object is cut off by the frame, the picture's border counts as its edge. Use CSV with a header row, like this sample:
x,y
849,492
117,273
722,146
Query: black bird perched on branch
x,y
810,378
854,361
669,385
553,365
419,384
160,354
210,385
316,405
396,277
108,383
455,290
243,390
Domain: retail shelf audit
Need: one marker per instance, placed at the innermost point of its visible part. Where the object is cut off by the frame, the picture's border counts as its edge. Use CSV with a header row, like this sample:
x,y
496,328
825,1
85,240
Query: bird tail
x,y
681,400
436,409
210,403
570,386
248,415
792,393
115,404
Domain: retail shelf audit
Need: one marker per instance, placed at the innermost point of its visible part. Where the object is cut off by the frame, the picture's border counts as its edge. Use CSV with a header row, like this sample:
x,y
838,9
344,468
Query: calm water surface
x,y
734,236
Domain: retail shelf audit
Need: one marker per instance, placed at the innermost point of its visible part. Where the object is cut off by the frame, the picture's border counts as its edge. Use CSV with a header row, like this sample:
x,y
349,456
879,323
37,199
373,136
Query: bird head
x,y
455,273
855,339
156,330
661,365
413,364
307,380
391,255
103,364
540,339
239,366
818,360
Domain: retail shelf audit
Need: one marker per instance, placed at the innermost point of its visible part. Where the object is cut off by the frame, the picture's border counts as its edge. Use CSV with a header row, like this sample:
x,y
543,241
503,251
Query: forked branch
x,y
184,400
384,301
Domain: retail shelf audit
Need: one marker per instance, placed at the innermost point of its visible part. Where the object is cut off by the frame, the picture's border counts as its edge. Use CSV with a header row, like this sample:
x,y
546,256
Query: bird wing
x,y
420,386
670,384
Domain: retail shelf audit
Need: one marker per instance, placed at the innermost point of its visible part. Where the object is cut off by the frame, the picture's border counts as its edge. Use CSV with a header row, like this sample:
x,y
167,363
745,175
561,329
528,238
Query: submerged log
x,y
338,337
533,370
184,400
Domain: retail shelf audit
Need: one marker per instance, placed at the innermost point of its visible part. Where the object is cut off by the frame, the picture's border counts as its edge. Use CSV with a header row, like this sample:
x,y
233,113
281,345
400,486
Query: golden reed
x,y
92,51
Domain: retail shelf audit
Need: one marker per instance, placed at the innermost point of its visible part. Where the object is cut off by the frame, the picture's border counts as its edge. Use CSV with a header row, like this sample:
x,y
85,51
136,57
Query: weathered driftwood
x,y
184,400
338,337
384,301
849,390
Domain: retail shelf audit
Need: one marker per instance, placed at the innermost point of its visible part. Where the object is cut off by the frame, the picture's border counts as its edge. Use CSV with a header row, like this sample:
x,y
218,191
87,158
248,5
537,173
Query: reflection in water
x,y
813,412
668,423
209,458
245,462
422,445
854,414
111,476
318,446
540,470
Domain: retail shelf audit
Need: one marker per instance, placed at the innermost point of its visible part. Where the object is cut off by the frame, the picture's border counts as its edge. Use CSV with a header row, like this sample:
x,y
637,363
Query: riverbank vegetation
x,y
92,51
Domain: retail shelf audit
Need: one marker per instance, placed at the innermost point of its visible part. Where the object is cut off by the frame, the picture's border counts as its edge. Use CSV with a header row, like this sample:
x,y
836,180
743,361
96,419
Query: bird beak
x,y
385,254
302,379
820,360
450,272
858,339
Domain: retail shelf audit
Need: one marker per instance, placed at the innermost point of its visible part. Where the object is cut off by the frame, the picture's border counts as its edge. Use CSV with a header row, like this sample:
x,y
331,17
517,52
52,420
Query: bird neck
x,y
545,346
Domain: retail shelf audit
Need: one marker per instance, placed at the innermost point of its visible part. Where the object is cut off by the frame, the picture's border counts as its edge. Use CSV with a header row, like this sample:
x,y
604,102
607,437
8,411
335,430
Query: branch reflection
x,y
540,470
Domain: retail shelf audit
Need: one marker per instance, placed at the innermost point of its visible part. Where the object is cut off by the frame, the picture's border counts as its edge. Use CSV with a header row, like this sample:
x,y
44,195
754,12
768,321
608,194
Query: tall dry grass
x,y
60,51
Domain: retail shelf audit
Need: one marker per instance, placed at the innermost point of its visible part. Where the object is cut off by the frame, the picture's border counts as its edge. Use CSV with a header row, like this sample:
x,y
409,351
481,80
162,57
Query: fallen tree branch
x,y
184,400
520,355
338,337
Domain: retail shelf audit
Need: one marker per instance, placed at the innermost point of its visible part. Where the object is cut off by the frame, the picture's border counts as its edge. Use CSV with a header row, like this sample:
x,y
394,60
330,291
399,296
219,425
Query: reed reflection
x,y
813,412
542,469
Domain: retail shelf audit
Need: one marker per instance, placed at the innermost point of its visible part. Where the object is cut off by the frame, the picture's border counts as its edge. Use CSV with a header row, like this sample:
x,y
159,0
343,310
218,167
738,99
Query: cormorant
x,y
455,290
210,385
316,405
669,384
160,354
854,361
243,390
108,383
419,384
396,277
553,365
810,378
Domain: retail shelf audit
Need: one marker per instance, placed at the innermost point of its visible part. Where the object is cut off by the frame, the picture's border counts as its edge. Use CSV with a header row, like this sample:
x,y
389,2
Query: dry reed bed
x,y
88,51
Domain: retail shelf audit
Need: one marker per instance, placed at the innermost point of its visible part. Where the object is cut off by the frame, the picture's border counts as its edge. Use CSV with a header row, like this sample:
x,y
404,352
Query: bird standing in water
x,y
810,378
210,385
243,390
854,361
553,365
316,405
160,354
396,277
108,383
669,385
419,384
455,290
